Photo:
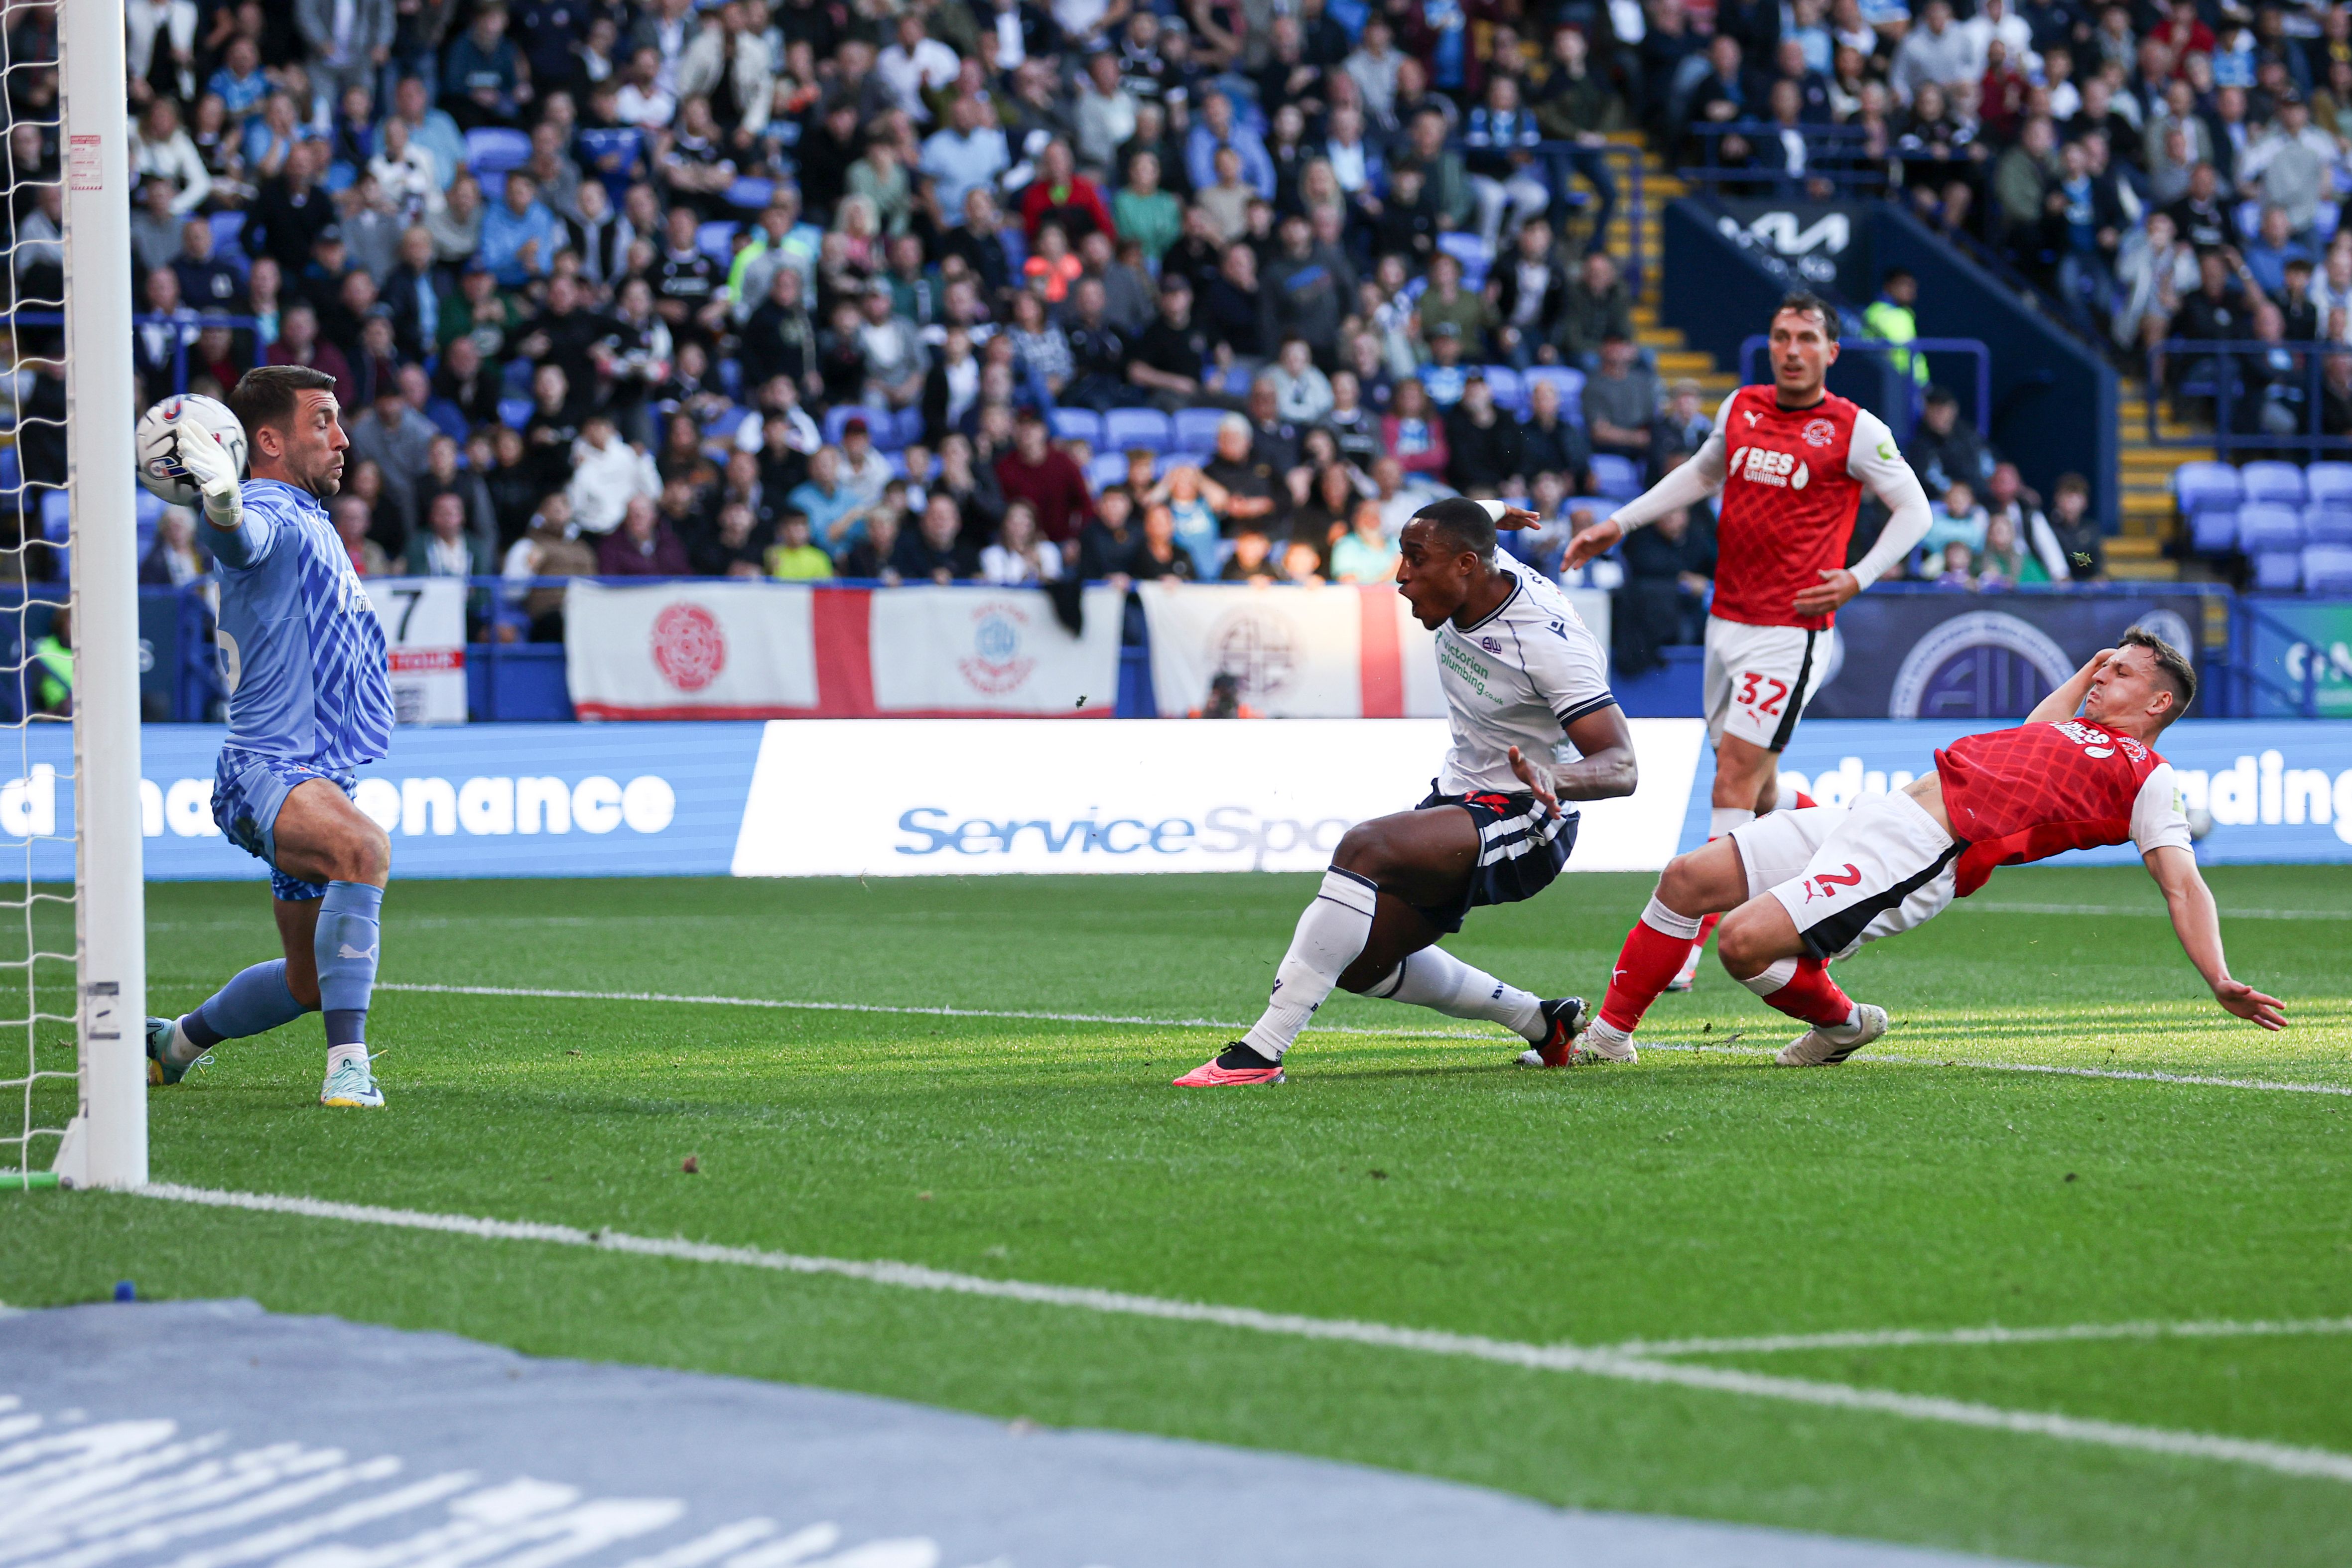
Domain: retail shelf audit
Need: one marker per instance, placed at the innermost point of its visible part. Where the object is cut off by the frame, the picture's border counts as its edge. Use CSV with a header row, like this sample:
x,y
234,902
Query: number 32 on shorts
x,y
1761,693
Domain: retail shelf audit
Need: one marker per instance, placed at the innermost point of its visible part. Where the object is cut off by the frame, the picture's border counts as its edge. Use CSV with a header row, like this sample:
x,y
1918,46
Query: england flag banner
x,y
423,621
754,650
1337,651
690,650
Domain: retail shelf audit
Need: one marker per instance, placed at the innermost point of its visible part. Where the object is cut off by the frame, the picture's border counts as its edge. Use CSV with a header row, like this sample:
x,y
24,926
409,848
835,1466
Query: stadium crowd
x,y
1001,289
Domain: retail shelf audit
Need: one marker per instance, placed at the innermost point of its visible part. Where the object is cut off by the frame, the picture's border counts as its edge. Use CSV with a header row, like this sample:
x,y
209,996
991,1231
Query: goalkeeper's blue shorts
x,y
248,791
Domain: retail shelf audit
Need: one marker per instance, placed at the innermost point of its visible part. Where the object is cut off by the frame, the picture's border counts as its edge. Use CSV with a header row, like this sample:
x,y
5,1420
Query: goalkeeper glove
x,y
205,463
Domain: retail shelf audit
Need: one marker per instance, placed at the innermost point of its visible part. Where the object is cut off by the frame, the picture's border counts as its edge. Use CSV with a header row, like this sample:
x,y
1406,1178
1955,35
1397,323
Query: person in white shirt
x,y
1020,554
1521,675
914,65
608,473
406,172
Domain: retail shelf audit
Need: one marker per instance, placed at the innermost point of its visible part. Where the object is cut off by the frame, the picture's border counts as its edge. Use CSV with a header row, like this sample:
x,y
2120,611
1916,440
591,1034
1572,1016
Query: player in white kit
x,y
1519,671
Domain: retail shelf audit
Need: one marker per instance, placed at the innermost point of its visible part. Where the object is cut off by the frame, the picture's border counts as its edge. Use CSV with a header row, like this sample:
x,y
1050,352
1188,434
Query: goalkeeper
x,y
309,700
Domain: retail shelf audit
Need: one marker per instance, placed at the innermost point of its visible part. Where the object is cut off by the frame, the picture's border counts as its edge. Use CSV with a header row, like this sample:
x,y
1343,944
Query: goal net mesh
x,y
40,939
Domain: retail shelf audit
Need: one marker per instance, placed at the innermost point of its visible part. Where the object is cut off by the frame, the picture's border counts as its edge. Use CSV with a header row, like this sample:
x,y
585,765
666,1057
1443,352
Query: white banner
x,y
711,649
967,650
959,797
423,621
1339,651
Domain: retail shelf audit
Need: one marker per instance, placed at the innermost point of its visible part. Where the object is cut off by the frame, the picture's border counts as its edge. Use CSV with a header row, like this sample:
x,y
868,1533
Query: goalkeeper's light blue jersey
x,y
300,646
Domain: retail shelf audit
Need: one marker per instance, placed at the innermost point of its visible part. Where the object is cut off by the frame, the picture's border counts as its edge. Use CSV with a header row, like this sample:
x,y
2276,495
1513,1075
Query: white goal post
x,y
106,1144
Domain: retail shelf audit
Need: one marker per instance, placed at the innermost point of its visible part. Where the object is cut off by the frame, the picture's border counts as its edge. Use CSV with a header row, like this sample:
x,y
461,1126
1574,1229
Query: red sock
x,y
1706,928
1653,955
1805,991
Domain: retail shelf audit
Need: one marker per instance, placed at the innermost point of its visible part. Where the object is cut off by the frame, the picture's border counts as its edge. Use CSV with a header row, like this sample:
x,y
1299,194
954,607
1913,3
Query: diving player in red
x,y
1806,888
1791,461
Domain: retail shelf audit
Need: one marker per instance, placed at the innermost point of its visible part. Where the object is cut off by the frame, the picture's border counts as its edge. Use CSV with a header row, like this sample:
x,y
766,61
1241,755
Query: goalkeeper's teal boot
x,y
351,1087
161,1035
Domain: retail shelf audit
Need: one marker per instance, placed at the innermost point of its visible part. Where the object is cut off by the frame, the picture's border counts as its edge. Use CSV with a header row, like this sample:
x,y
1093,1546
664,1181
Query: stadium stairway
x,y
1675,358
2150,517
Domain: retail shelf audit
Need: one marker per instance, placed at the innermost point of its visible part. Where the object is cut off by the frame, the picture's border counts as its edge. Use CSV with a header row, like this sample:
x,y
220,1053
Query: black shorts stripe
x,y
1518,863
1841,930
1796,697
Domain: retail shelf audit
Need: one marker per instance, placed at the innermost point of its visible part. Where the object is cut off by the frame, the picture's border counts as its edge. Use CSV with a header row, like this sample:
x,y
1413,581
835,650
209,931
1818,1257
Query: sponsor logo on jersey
x,y
1763,465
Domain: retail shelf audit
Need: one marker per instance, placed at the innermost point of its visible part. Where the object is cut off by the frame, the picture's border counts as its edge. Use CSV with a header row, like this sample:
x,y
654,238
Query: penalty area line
x,y
780,1005
1989,1335
1613,1364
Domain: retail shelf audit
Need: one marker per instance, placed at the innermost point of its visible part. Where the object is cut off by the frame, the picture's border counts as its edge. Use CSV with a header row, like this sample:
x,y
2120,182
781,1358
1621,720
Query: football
x,y
171,421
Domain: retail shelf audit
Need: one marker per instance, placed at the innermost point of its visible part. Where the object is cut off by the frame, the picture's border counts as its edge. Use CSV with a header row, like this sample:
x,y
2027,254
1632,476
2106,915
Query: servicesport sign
x,y
935,797
766,650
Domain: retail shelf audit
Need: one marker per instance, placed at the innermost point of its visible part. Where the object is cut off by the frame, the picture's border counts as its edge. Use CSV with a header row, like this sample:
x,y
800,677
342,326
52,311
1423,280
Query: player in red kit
x,y
1791,461
1804,888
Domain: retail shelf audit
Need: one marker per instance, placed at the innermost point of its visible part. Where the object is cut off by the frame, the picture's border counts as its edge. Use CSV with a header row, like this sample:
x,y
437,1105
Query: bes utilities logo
x,y
1763,465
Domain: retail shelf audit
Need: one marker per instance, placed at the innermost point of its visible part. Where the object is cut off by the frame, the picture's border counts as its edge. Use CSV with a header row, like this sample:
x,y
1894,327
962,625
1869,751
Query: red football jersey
x,y
2025,794
1792,481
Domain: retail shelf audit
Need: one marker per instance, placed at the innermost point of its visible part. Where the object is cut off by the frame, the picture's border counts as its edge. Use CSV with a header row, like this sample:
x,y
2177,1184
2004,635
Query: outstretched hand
x,y
198,457
1592,542
1517,516
2243,1001
1539,783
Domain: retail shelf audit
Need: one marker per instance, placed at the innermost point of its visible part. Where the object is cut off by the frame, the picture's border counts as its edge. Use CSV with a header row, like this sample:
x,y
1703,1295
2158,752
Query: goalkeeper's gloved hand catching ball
x,y
208,465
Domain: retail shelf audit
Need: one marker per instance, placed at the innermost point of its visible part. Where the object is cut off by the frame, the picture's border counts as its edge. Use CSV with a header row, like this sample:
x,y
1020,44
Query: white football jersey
x,y
1517,678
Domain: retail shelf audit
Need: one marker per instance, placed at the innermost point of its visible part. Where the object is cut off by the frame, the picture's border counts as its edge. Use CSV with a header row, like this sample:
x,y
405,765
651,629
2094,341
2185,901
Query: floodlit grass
x,y
1406,1178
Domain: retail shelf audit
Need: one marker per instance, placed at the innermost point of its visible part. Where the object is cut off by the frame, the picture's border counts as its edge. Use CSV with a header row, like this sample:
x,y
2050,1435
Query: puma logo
x,y
348,951
1751,417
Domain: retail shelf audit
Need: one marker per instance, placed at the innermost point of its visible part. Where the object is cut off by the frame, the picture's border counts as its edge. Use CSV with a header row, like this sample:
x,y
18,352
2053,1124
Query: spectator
x,y
607,474
1215,130
2082,547
793,558
1669,572
1530,290
1955,518
865,472
350,517
830,508
894,362
1484,452
936,552
1302,394
1620,401
2292,166
1550,444
644,545
1252,558
445,549
870,558
1503,138
1412,433
1018,556
176,558
299,344
1053,485
1943,448
964,156
1598,306
1952,566
397,439
1366,553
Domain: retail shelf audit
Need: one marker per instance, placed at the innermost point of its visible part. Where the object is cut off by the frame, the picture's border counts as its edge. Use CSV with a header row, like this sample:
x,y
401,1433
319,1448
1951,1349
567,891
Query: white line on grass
x,y
1614,1364
1992,1334
2153,910
780,1005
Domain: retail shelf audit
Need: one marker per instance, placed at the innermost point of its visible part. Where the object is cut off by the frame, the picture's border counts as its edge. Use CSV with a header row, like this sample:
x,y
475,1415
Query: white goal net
x,y
72,975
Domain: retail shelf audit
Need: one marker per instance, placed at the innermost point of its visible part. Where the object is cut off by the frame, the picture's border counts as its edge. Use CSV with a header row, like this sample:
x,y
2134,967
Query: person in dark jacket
x,y
644,545
1482,442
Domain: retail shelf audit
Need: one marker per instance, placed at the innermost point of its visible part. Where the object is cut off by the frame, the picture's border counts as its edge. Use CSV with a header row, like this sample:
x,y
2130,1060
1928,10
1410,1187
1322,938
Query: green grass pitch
x,y
1397,1179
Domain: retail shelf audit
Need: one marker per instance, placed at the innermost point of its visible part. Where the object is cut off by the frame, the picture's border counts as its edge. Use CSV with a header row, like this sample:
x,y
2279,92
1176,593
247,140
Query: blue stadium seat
x,y
612,156
2277,483
1107,469
2327,569
2324,524
228,236
750,193
150,508
1015,240
495,149
2265,529
889,431
1124,429
1616,478
911,427
514,413
2195,485
717,240
1196,428
2213,530
494,185
12,475
2328,483
1075,425
57,516
2278,570
1509,388
1572,388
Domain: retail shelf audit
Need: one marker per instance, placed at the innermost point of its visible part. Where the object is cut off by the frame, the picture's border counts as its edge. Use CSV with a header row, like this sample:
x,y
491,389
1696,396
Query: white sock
x,y
1775,975
1667,923
1606,1030
338,1055
1330,934
1722,819
1786,800
1435,978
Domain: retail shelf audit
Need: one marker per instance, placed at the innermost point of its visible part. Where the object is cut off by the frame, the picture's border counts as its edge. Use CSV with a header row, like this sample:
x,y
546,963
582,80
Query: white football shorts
x,y
1759,679
1848,874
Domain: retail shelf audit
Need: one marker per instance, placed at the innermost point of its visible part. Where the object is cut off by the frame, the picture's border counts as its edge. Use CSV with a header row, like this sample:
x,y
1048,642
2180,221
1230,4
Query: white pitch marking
x,y
2280,1457
770,1002
1990,1335
2152,911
